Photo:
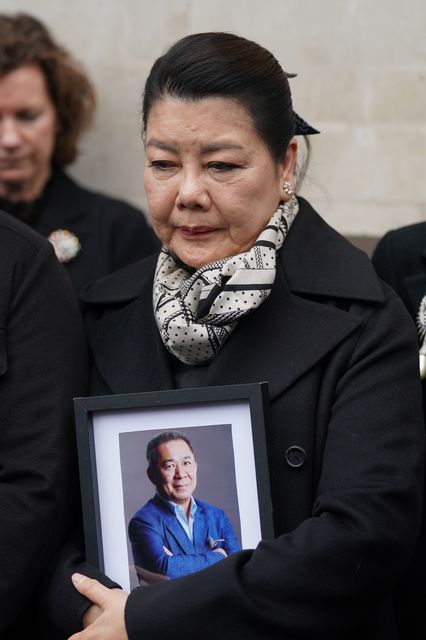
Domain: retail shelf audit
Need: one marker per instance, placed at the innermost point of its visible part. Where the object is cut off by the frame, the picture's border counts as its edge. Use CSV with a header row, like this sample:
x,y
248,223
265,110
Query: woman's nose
x,y
192,192
9,134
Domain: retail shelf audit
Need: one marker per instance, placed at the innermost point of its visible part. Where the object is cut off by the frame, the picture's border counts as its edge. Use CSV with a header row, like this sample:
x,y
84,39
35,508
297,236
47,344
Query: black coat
x,y
400,260
43,365
111,232
339,352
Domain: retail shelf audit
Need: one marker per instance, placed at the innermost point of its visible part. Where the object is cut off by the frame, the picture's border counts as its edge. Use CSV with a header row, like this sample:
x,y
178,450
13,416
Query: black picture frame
x,y
226,423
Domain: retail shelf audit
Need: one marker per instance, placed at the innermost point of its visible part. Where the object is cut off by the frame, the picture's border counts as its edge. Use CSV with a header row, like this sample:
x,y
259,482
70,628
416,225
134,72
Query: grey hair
x,y
162,438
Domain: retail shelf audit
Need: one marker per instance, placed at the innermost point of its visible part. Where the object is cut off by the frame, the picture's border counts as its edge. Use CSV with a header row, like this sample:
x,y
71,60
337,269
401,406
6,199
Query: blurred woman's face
x,y
28,126
211,183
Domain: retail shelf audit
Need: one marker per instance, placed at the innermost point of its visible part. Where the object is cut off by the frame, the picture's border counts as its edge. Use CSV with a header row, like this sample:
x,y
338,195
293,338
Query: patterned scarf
x,y
197,312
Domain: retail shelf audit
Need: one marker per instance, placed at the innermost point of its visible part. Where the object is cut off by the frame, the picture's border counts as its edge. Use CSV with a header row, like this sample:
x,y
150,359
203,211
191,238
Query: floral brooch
x,y
65,243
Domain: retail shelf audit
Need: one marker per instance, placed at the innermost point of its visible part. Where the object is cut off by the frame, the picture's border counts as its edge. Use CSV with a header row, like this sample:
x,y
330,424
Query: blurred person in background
x,y
46,103
400,260
43,365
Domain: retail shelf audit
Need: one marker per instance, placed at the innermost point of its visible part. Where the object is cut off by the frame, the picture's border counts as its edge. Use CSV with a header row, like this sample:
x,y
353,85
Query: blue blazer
x,y
155,525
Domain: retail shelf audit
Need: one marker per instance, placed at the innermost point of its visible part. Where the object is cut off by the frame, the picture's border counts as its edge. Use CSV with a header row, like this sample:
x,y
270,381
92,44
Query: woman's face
x,y
210,181
28,127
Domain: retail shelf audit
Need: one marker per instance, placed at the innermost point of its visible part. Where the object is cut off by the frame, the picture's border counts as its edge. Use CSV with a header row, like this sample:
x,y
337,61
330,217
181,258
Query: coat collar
x,y
65,201
293,322
319,261
414,290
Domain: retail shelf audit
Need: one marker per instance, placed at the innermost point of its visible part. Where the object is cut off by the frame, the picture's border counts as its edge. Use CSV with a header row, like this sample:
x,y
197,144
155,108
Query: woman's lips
x,y
196,232
11,160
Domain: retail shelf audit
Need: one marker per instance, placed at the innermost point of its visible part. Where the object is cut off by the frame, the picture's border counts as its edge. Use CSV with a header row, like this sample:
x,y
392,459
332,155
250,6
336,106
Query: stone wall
x,y
361,68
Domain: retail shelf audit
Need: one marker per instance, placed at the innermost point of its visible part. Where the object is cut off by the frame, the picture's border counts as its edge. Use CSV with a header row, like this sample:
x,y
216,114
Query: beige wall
x,y
362,82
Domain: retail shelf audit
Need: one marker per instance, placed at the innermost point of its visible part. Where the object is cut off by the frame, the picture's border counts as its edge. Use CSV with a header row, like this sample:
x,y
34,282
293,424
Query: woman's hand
x,y
91,614
106,617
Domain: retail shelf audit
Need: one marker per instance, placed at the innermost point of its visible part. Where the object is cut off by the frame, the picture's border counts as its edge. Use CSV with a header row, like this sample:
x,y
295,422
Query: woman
x,y
46,103
399,259
252,285
43,365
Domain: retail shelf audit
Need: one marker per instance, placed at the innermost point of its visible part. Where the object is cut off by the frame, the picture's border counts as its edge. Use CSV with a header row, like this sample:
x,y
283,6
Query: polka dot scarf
x,y
196,312
421,330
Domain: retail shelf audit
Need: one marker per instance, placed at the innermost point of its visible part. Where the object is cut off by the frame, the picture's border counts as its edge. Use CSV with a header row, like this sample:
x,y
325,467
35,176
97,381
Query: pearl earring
x,y
288,189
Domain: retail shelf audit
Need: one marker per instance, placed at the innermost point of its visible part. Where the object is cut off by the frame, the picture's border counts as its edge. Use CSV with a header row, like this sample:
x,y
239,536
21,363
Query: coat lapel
x,y
175,529
200,530
128,350
301,331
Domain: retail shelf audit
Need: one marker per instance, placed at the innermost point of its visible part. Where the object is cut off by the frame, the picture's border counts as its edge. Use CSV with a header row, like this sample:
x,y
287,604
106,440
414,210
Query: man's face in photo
x,y
176,473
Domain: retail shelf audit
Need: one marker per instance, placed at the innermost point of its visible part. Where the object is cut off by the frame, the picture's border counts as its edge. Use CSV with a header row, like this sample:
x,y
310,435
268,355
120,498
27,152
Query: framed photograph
x,y
203,494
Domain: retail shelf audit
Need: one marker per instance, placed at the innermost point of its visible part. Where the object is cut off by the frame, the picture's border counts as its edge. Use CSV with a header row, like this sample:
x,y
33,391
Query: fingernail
x,y
77,578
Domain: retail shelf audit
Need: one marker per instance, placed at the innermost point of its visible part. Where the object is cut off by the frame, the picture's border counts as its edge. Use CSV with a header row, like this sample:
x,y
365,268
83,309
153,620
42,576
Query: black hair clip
x,y
302,128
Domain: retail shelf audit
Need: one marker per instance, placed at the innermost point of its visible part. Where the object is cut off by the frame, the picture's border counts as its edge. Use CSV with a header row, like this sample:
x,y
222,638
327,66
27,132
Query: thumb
x,y
91,589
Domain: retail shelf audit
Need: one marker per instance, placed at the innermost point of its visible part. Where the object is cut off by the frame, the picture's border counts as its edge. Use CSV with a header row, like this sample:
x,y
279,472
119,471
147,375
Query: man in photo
x,y
174,534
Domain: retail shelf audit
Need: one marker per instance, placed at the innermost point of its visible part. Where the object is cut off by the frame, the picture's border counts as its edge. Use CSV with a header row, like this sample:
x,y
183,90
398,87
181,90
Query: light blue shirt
x,y
186,524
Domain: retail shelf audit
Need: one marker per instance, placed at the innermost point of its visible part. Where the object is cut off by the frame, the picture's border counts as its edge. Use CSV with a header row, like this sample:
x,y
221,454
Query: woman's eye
x,y
222,166
161,164
28,116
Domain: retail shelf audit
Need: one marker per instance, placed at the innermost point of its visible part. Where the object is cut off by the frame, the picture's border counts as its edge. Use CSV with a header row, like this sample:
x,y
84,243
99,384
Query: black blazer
x,y
339,352
111,232
400,260
43,365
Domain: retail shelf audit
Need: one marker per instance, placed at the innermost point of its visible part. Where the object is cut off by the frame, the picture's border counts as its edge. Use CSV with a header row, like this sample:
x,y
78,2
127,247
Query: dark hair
x,y
162,438
219,64
24,40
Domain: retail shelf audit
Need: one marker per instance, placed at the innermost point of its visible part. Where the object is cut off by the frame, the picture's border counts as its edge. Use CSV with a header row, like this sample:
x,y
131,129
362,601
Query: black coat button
x,y
295,456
